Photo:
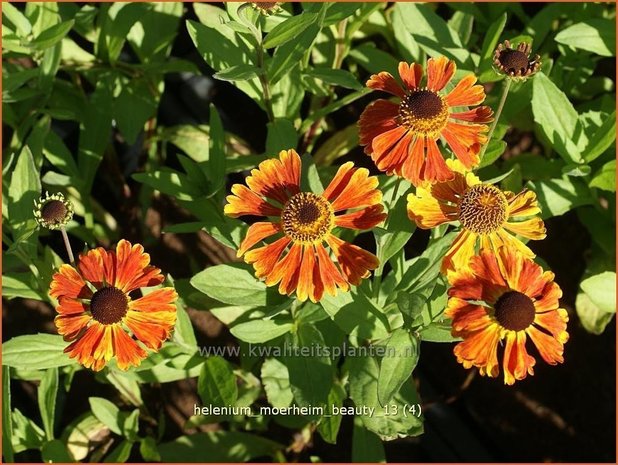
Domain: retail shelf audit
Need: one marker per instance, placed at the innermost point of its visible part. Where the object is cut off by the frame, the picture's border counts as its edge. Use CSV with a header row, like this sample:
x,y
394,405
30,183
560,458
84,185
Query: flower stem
x,y
67,244
264,81
505,92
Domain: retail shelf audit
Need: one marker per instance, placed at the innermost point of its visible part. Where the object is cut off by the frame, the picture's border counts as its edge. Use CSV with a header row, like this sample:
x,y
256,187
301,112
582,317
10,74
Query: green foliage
x,y
84,92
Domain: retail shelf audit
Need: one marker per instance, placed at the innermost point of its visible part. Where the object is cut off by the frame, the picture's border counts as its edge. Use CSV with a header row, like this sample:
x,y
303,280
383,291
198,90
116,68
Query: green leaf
x,y
24,190
556,118
120,453
80,433
592,318
602,139
276,380
17,18
36,351
356,315
558,196
107,413
596,35
95,131
328,427
47,392
281,135
7,423
234,284
26,433
129,388
216,154
289,29
601,288
366,446
22,284
53,35
135,105
490,42
311,376
56,452
437,332
398,230
384,421
310,177
287,57
148,449
400,357
338,77
217,383
373,59
172,183
604,179
238,73
116,20
218,446
130,425
258,331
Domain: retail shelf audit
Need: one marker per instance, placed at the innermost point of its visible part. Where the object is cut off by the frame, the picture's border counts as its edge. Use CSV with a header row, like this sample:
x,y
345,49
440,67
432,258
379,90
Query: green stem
x,y
505,92
264,81
67,244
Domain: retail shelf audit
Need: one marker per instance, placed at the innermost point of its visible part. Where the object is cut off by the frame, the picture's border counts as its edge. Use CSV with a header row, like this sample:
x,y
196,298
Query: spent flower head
x,y
516,63
53,211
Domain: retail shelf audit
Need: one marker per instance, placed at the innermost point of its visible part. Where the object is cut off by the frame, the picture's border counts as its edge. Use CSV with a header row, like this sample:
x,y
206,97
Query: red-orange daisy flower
x,y
506,298
402,137
98,311
303,222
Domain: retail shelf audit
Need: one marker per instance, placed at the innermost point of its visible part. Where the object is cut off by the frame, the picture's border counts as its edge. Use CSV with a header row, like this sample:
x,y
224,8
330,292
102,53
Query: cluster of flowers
x,y
497,293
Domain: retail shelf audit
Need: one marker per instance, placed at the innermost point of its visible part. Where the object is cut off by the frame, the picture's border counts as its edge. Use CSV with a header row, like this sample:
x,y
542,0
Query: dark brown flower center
x,y
514,61
109,305
54,211
423,104
307,218
514,311
267,5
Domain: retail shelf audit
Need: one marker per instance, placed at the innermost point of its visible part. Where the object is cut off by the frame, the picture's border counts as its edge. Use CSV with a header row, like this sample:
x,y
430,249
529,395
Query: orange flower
x,y
96,308
506,298
303,221
484,212
402,138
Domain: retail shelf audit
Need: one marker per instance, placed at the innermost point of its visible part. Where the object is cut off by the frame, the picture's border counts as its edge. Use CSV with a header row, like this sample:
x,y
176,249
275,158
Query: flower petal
x,y
128,353
481,114
385,82
264,258
436,169
377,118
555,322
246,202
427,211
277,179
330,276
480,349
466,93
151,328
439,72
460,253
517,362
159,300
551,350
411,74
305,279
256,233
132,268
359,192
465,140
286,266
83,348
67,282
70,325
97,266
363,219
413,165
354,261
533,228
522,204
388,149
